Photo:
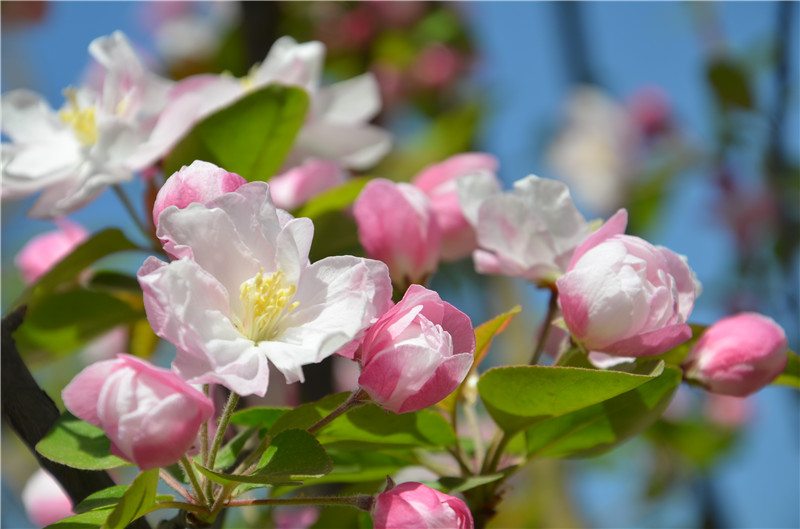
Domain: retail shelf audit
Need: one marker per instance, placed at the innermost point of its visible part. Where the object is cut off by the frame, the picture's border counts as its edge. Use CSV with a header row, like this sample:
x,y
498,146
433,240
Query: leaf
x,y
108,498
351,466
335,199
598,428
228,453
62,322
250,137
137,501
335,233
258,416
452,484
484,334
87,520
114,282
791,373
518,397
78,444
730,83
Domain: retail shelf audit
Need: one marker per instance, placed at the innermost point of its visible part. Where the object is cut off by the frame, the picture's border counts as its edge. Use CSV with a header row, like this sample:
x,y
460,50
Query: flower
x,y
397,225
623,296
293,188
241,291
417,353
415,506
438,181
199,182
738,355
74,154
528,233
150,414
42,252
336,127
45,500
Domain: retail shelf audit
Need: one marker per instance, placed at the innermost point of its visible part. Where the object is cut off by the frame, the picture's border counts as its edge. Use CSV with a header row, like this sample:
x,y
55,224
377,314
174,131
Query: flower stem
x,y
132,211
357,398
174,484
224,420
198,490
552,309
361,501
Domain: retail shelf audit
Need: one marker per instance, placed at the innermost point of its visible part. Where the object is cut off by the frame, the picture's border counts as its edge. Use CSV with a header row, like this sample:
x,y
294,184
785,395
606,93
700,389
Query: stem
x,y
224,420
362,501
472,419
191,507
198,490
491,451
174,484
220,501
498,453
357,398
552,309
132,211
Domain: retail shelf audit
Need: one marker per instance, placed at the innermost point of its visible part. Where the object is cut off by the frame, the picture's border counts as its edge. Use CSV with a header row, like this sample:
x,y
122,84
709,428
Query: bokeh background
x,y
685,113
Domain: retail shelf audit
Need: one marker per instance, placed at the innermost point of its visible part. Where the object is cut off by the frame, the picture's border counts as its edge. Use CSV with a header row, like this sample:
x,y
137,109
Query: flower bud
x,y
150,414
738,355
296,186
417,353
42,252
415,506
199,182
45,500
397,225
623,296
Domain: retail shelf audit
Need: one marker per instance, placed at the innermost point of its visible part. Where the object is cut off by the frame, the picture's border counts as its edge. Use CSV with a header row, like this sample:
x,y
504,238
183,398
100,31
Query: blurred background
x,y
684,113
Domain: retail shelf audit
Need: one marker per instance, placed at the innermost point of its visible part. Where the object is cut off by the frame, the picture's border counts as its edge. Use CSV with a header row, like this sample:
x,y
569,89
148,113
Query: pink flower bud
x,y
45,500
42,252
199,182
417,353
623,296
738,355
296,186
397,225
415,506
150,414
438,181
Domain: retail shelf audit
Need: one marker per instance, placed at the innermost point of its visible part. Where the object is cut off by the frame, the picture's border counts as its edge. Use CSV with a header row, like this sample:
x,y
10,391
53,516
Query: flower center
x,y
266,299
82,120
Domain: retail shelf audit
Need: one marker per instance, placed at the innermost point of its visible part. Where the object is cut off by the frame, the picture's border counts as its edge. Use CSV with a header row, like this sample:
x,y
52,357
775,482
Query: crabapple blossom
x,y
397,225
151,415
42,252
438,181
623,296
528,233
417,353
241,291
738,355
73,154
294,187
44,499
415,506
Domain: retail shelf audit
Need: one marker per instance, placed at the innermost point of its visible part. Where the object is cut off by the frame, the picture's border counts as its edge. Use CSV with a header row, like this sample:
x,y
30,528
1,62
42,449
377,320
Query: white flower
x,y
73,154
242,292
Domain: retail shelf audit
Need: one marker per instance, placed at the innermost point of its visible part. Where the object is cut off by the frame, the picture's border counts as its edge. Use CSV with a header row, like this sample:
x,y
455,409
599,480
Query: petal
x,y
613,226
82,393
450,373
353,101
651,343
357,146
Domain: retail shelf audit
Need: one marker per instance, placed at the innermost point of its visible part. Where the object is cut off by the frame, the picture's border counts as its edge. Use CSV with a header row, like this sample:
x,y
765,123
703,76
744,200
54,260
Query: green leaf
x,y
108,498
452,484
598,428
484,334
228,453
335,233
258,416
355,466
791,373
137,501
730,83
78,444
64,321
251,137
701,442
96,247
520,396
109,281
369,425
335,199
87,520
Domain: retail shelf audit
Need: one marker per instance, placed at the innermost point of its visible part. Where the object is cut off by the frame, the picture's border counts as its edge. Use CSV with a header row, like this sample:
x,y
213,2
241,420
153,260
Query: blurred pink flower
x,y
150,414
44,251
296,186
728,411
415,506
45,501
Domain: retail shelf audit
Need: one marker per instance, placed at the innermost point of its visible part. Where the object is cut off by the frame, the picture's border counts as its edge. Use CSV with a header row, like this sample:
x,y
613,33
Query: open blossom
x,y
397,225
294,187
417,353
42,252
438,181
242,291
45,501
528,233
73,154
738,355
336,127
150,414
416,506
623,296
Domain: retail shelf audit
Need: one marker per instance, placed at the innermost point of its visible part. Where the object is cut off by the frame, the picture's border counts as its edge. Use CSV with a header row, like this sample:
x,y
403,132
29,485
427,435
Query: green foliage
x,y
250,137
791,373
731,83
86,520
335,199
78,444
137,501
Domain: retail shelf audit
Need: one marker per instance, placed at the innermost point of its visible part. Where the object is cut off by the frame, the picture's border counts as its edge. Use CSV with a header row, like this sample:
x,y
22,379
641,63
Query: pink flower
x,y
438,181
150,414
623,296
45,500
397,225
296,186
738,355
415,506
417,353
42,252
199,182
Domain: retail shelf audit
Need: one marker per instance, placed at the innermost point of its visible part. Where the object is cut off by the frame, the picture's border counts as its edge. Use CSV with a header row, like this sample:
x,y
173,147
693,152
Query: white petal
x,y
353,101
355,146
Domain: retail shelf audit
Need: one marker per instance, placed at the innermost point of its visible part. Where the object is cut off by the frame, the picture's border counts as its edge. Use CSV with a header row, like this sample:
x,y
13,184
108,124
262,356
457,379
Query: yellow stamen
x,y
266,299
82,120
